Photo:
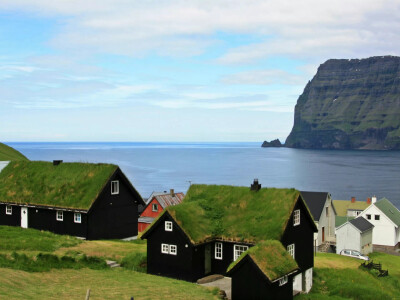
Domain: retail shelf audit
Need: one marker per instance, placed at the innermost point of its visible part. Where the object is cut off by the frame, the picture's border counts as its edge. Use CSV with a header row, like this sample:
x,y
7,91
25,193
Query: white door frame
x,y
24,217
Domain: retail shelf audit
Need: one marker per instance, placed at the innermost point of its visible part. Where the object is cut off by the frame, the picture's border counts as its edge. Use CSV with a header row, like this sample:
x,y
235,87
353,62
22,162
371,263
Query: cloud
x,y
264,77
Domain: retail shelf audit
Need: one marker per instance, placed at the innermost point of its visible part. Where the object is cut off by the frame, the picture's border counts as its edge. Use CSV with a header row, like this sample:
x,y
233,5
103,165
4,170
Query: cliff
x,y
350,104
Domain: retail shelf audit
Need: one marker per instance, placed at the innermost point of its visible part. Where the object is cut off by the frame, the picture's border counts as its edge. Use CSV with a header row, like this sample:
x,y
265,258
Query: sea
x,y
154,166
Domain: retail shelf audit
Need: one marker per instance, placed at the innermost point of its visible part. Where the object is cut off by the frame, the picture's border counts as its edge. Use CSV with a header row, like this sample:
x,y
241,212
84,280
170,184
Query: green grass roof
x,y
389,210
340,220
68,185
271,258
341,206
7,153
234,213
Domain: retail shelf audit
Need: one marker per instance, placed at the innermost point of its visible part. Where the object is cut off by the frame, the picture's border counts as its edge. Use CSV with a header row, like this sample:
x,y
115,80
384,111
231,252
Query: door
x,y
24,217
323,234
207,259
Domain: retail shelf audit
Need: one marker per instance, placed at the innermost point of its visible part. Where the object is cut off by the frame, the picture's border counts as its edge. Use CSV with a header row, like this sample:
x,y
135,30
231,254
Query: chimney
x,y
373,199
57,162
172,192
369,200
353,199
255,186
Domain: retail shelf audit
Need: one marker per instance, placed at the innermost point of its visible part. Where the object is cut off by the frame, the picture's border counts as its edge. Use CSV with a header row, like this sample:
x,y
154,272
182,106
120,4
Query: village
x,y
251,242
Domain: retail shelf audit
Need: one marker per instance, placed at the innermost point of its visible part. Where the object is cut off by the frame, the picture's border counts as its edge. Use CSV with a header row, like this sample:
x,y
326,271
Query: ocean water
x,y
162,166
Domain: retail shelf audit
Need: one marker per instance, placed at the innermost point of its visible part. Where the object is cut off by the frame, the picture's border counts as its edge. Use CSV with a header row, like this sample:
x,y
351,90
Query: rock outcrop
x,y
350,104
274,143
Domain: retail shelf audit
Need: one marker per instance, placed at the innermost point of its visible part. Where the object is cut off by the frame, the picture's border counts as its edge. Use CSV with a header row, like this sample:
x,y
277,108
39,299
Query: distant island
x,y
350,104
274,143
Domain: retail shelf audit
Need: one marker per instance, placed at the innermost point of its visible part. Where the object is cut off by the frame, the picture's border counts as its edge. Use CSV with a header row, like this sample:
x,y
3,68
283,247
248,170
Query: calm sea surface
x,y
161,166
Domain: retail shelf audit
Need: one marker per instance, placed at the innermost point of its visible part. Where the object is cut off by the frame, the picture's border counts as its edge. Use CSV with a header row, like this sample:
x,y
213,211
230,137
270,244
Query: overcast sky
x,y
207,70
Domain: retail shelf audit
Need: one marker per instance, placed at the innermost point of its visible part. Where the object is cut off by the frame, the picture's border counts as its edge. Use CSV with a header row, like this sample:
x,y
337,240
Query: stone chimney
x,y
172,192
353,199
255,186
57,162
373,199
369,200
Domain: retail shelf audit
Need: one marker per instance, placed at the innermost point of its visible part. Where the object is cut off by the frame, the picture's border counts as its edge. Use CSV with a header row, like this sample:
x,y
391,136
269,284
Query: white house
x,y
386,220
355,234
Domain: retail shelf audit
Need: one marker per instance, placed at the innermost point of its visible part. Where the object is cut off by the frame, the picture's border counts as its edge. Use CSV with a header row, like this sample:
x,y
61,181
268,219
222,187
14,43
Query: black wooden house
x,y
215,225
92,201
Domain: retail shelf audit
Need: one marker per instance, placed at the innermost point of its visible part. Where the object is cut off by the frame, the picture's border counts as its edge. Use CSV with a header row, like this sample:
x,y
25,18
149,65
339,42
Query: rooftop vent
x,y
57,162
353,199
255,186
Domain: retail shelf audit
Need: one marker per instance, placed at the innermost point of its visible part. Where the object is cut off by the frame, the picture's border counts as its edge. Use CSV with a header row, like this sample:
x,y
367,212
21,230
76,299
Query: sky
x,y
176,70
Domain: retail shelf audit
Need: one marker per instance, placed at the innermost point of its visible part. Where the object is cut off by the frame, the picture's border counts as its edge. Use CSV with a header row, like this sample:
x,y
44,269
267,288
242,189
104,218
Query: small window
x,y
168,226
173,249
165,248
60,215
296,217
358,213
377,217
77,218
114,187
8,210
154,207
369,217
218,250
283,280
290,250
238,250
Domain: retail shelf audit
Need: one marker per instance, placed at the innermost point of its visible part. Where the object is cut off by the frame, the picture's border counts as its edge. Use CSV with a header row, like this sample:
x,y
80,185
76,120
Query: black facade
x,y
248,282
110,216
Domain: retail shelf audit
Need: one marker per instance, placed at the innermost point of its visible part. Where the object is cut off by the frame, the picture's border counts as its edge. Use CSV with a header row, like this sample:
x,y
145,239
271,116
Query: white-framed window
x,y
8,210
77,218
296,217
283,280
238,250
165,248
114,187
154,207
59,215
173,249
290,249
369,217
168,226
218,250
377,217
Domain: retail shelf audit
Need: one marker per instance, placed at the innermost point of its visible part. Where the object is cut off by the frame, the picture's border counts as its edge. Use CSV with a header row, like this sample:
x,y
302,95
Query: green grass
x,y
69,185
8,153
234,213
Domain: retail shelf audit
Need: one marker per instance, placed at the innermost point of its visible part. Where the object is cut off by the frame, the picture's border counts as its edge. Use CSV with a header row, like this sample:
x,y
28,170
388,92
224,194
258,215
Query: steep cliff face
x,y
350,104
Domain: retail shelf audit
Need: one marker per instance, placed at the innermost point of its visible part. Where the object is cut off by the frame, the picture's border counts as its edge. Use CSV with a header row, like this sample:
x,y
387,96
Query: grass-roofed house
x,y
214,225
92,201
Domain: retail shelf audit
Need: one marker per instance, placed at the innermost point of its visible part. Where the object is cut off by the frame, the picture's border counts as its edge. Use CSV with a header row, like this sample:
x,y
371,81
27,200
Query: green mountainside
x,y
350,104
8,153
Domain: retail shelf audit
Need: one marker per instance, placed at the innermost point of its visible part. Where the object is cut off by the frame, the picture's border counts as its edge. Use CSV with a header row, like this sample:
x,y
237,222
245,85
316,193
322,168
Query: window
x,y
290,249
59,216
168,226
218,250
358,213
114,187
327,211
283,280
238,250
172,249
377,217
369,217
8,210
77,218
154,207
165,248
296,217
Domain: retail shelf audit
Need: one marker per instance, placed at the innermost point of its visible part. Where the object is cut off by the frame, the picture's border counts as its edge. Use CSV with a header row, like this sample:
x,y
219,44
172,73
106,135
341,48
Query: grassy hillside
x,y
8,153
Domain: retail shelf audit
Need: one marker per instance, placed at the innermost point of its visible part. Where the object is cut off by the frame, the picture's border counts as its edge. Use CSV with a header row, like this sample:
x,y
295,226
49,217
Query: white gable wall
x,y
328,222
347,237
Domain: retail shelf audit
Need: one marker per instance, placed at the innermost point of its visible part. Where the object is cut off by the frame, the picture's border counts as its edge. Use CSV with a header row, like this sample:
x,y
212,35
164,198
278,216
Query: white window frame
x,y
154,205
283,280
168,226
115,187
296,217
218,250
238,250
59,215
377,217
291,250
8,210
77,218
173,249
369,217
165,248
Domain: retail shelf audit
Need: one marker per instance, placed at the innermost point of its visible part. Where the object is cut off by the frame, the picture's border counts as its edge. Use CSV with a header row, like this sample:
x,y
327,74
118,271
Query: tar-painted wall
x,y
248,283
11,220
302,236
219,266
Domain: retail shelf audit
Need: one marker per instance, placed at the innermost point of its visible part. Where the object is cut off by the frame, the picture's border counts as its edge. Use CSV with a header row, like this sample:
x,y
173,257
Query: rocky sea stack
x,y
350,104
